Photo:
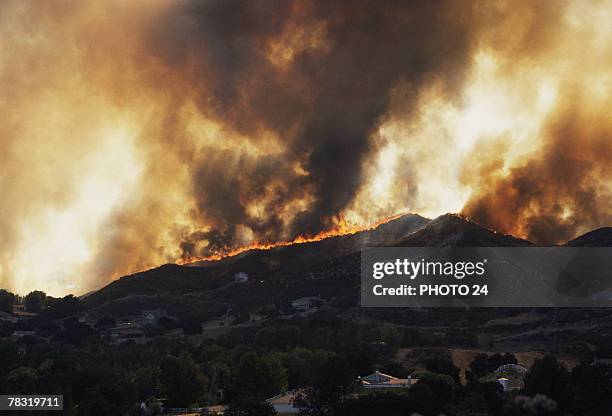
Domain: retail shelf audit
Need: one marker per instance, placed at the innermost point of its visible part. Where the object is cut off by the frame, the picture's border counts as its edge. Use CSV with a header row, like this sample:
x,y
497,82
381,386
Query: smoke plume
x,y
138,133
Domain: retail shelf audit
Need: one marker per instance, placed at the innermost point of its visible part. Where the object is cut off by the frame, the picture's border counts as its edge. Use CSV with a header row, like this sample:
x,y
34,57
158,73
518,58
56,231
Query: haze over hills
x,y
329,268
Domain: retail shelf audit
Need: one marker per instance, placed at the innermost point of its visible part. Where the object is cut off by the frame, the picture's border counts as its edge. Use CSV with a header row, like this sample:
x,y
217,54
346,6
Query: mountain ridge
x,y
599,237
306,269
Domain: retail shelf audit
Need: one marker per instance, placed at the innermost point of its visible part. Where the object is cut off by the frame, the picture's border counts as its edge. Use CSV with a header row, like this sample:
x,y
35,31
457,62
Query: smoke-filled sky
x,y
142,132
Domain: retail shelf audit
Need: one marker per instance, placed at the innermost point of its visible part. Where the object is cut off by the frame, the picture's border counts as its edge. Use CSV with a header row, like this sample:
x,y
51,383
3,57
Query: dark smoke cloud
x,y
324,103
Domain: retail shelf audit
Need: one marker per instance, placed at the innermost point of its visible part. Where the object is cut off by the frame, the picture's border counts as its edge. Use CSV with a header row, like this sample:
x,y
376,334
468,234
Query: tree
x,y
422,399
106,322
23,380
443,366
74,332
6,301
395,369
478,367
241,316
168,323
45,326
461,338
593,390
34,301
280,338
481,398
497,360
192,328
59,308
94,405
333,381
301,365
256,378
550,378
443,387
182,380
147,381
539,405
371,404
8,355
483,364
103,392
269,311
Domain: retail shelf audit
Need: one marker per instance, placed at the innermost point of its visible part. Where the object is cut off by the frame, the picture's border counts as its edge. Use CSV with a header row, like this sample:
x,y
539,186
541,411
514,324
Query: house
x,y
151,317
504,382
216,410
378,380
22,315
124,334
241,277
22,351
510,383
21,334
306,304
284,403
603,357
7,317
511,376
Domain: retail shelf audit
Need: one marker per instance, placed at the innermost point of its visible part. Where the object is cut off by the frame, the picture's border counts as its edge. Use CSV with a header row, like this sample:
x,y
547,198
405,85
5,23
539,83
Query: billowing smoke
x,y
317,76
137,133
558,191
559,184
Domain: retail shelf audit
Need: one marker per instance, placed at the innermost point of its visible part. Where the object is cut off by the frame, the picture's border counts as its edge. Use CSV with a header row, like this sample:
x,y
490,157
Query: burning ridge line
x,y
343,228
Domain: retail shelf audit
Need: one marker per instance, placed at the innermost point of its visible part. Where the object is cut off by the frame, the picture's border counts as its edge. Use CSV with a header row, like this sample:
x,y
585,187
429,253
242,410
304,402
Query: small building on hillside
x,y
7,317
22,315
284,403
127,333
23,333
603,357
151,317
241,277
511,377
216,410
378,380
504,382
306,304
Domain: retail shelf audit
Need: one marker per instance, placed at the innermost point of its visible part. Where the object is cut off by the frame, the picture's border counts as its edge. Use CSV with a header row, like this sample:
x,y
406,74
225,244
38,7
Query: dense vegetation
x,y
320,356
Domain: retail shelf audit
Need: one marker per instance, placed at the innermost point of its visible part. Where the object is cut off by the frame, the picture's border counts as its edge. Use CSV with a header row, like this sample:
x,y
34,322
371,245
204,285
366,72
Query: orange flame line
x,y
341,229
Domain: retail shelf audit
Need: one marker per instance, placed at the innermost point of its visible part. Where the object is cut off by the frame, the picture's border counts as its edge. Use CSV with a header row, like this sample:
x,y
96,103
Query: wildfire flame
x,y
342,228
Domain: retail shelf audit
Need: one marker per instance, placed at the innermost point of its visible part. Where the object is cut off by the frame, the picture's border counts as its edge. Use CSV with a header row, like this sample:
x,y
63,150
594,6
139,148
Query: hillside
x,y
328,268
172,279
601,237
456,230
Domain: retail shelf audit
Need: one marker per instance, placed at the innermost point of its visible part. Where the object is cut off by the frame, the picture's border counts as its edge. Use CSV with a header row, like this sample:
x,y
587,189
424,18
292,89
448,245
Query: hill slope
x,y
601,237
456,230
329,268
172,279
